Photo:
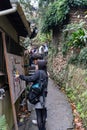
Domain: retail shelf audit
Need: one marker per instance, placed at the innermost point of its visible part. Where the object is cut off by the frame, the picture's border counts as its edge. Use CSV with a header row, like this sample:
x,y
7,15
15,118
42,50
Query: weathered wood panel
x,y
8,28
15,67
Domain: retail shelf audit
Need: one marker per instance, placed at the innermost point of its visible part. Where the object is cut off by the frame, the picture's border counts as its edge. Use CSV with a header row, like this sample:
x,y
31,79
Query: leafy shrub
x,y
74,37
55,15
77,39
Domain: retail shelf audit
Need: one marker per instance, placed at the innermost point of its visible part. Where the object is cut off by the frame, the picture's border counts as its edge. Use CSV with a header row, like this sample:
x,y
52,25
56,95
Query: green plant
x,y
77,39
78,3
82,59
79,107
74,37
73,59
57,12
3,123
55,15
43,38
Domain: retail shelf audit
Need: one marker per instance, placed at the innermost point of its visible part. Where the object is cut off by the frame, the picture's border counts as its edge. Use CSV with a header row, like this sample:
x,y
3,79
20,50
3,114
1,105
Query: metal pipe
x,y
8,11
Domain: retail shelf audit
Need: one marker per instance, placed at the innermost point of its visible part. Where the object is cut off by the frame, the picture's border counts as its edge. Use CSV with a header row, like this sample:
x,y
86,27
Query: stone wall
x,y
78,14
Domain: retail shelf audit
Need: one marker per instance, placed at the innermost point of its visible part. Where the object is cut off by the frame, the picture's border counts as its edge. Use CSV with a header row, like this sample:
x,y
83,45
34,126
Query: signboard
x,y
15,67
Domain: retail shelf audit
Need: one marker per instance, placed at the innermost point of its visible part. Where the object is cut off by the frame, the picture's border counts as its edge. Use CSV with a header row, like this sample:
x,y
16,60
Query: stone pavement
x,y
60,115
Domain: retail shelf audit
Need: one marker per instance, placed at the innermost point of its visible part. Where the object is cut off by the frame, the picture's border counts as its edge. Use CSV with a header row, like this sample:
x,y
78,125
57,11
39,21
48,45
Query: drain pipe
x,y
9,11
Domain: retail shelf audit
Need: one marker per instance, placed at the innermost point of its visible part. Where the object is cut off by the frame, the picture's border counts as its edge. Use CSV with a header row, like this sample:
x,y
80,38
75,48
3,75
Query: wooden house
x,y
13,25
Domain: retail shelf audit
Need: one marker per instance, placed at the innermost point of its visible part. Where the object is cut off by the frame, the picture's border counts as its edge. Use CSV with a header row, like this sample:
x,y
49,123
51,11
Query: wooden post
x,y
9,80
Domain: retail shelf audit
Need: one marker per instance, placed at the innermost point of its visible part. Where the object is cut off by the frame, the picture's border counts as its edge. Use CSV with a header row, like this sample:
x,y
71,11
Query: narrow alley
x,y
48,36
59,111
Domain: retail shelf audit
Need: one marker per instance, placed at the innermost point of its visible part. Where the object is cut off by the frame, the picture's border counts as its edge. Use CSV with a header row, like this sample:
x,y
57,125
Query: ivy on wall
x,y
57,13
81,3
